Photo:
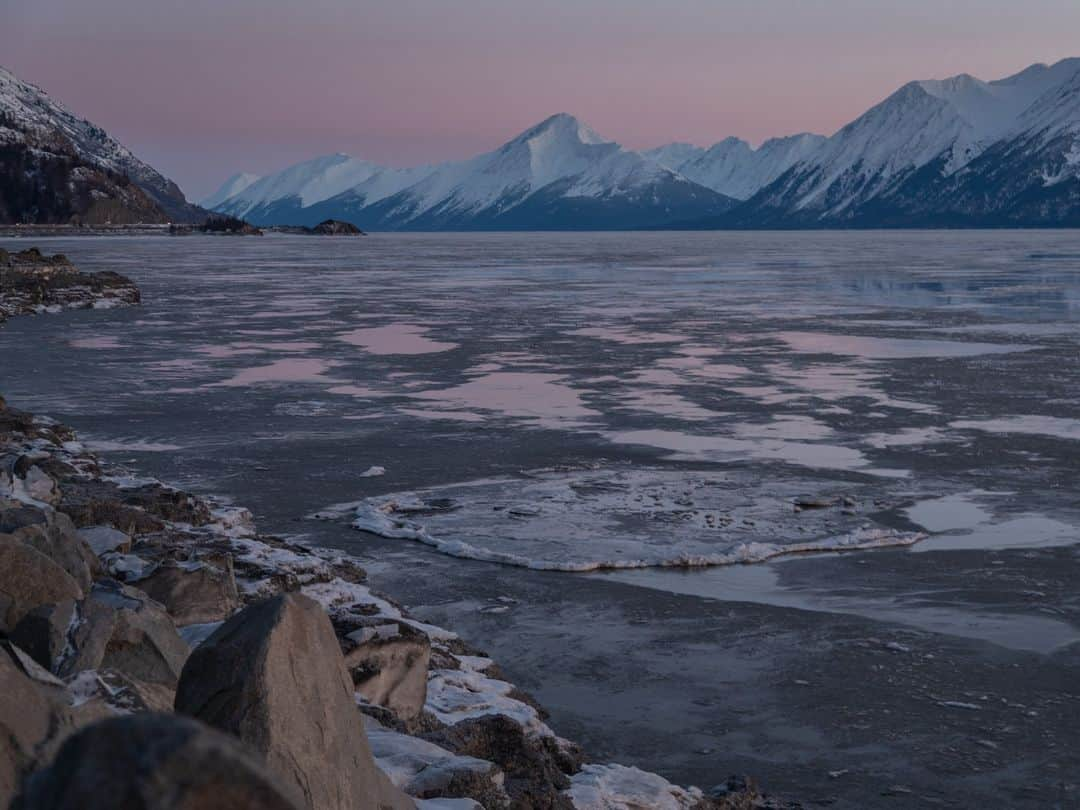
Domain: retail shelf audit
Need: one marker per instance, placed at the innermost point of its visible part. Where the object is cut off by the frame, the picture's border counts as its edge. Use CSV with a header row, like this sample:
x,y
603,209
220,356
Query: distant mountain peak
x,y
559,128
231,187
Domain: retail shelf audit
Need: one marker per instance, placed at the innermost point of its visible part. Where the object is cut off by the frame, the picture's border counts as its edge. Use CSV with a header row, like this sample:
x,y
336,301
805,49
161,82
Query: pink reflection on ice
x,y
540,398
308,370
396,338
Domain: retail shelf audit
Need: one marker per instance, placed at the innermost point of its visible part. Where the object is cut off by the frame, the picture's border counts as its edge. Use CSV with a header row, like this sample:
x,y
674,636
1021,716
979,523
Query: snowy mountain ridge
x,y
895,164
535,178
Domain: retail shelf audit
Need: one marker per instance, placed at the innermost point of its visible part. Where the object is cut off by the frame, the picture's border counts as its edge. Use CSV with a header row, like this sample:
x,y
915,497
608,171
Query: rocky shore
x,y
159,652
31,282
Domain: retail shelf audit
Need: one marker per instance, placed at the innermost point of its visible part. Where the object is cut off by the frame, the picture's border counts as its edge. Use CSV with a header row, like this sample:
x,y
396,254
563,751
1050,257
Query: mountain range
x,y
954,152
959,152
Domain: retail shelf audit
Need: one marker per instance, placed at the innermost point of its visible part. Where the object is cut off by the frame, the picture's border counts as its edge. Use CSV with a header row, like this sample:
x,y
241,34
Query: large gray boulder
x,y
153,762
120,627
273,675
29,579
193,592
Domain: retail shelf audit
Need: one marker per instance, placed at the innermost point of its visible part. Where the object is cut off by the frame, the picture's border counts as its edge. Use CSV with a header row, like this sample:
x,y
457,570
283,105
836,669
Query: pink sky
x,y
208,87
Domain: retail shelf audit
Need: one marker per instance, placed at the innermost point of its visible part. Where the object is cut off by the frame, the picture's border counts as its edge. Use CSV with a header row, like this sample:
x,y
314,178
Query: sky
x,y
205,88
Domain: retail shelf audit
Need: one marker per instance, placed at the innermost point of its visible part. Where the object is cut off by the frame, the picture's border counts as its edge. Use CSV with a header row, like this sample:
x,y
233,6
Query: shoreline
x,y
430,700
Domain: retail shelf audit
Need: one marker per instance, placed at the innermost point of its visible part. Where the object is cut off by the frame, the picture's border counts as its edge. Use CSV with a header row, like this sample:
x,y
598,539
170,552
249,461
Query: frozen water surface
x,y
572,401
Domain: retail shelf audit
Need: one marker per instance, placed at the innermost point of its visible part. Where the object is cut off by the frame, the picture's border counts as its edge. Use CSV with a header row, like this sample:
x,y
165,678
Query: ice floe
x,y
590,519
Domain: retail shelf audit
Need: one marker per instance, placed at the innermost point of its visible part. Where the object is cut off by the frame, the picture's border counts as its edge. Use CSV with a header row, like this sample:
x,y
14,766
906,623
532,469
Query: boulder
x,y
30,714
55,536
388,662
194,592
153,762
29,579
273,675
122,628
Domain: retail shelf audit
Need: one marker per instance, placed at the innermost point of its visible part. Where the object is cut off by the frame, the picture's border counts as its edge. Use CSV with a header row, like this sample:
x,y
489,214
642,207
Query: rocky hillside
x,y
57,168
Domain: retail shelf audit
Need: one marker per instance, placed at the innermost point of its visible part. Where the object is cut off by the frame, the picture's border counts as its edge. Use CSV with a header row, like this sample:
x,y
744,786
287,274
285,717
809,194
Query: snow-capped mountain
x,y
733,167
557,174
51,138
230,188
286,197
900,161
958,151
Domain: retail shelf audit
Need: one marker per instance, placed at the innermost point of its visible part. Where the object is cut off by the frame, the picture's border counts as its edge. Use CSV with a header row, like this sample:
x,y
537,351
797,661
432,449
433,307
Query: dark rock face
x,y
153,762
273,676
31,282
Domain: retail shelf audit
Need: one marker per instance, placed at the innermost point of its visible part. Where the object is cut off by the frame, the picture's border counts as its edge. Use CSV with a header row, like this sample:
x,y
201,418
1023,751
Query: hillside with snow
x,y
57,167
959,151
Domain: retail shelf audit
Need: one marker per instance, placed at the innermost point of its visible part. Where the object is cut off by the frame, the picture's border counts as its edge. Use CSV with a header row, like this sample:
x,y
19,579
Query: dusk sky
x,y
205,88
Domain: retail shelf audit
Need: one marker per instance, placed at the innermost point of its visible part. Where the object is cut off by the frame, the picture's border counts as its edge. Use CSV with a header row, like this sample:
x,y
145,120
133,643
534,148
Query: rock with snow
x,y
273,675
618,787
425,770
120,627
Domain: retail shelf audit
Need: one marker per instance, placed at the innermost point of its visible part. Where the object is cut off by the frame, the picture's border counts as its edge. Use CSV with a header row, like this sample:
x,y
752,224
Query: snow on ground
x,y
617,787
